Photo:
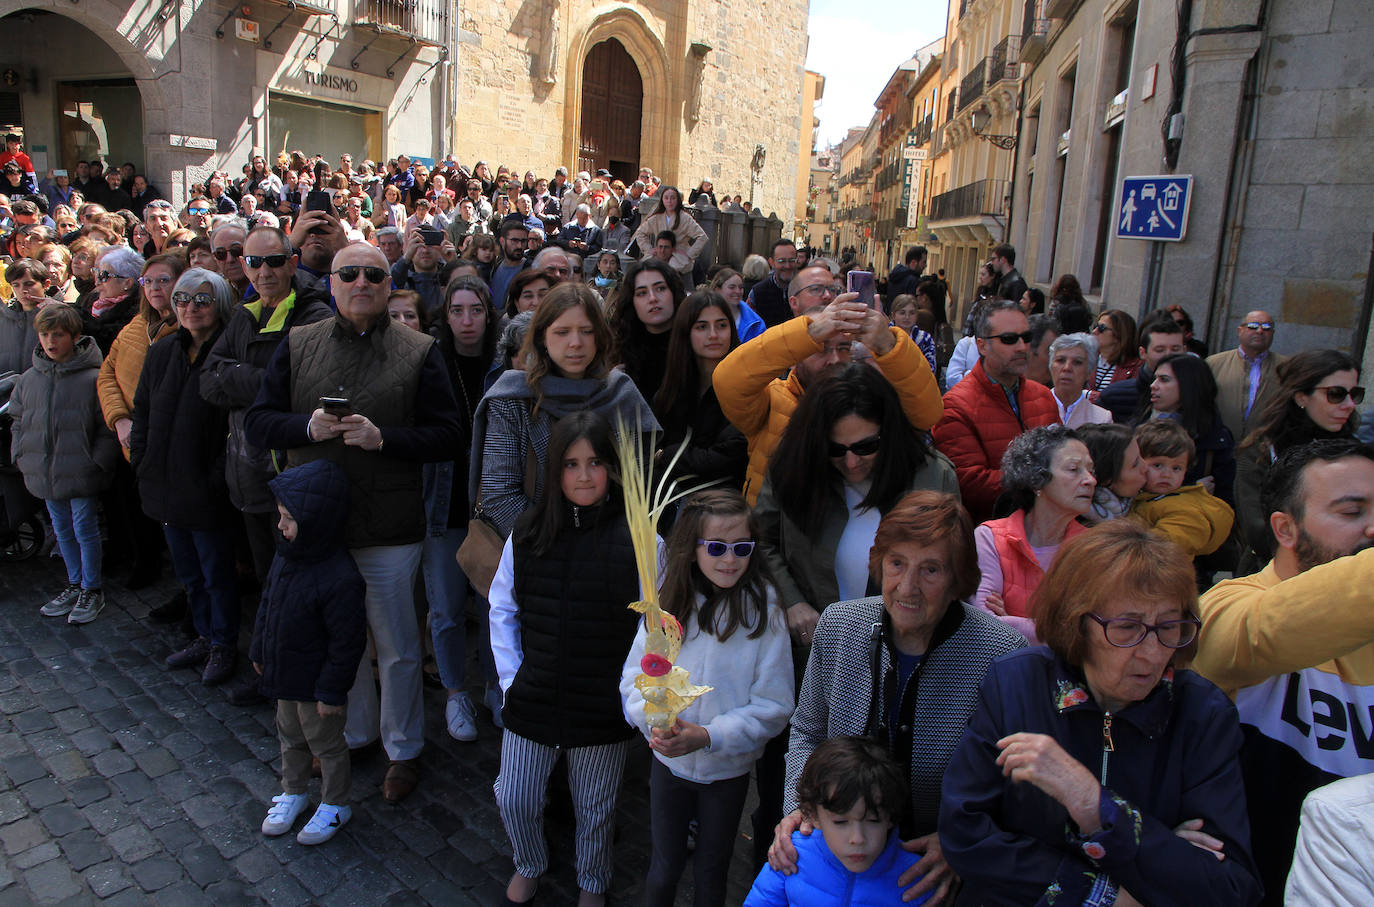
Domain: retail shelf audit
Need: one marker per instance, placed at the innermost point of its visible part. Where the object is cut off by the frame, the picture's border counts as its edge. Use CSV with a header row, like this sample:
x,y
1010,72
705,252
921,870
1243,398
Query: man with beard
x,y
1294,644
992,405
769,296
759,403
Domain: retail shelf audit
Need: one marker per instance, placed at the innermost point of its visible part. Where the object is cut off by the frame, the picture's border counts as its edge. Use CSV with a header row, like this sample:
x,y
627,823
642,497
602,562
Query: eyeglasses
x,y
1102,328
102,276
1258,325
1127,632
198,210
716,548
154,281
349,273
199,300
272,261
223,254
177,243
1336,394
1010,338
865,448
822,289
785,261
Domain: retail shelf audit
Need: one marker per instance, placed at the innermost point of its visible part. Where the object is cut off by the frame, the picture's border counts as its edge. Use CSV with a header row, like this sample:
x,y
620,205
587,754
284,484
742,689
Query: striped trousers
x,y
594,774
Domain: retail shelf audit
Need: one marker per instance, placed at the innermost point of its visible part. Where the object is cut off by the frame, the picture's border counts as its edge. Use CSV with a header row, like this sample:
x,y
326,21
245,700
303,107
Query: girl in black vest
x,y
560,630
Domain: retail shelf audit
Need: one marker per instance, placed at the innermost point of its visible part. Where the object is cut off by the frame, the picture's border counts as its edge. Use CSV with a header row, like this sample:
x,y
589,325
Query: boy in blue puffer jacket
x,y
852,793
309,638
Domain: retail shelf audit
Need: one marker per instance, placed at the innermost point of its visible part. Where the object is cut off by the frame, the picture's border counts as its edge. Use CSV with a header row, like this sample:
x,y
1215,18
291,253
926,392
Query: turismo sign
x,y
1153,207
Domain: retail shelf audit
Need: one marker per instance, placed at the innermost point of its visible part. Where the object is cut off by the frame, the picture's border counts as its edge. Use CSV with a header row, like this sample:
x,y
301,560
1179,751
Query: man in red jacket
x,y
991,406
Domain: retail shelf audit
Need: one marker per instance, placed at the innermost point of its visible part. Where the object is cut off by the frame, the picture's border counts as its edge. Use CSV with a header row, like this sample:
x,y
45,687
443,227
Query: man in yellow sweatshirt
x,y
1294,643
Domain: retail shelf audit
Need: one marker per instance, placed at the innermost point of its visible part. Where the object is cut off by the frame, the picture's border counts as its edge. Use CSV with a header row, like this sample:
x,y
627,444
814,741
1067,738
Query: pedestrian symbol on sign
x,y
1154,207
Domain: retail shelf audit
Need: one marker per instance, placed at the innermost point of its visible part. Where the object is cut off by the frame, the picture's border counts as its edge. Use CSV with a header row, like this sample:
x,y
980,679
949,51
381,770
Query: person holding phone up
x,y
423,266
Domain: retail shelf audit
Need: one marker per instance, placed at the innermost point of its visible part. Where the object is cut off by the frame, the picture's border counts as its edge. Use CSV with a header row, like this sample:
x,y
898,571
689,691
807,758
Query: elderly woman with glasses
x,y
114,301
1097,770
177,450
1072,357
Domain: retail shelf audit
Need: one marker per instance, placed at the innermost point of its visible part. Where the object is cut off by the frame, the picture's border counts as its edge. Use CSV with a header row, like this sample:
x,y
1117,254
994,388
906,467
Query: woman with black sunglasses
x,y
1317,398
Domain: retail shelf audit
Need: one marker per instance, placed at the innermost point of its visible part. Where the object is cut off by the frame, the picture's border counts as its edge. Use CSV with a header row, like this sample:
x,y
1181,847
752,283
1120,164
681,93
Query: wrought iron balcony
x,y
972,85
424,20
1005,62
1035,31
982,197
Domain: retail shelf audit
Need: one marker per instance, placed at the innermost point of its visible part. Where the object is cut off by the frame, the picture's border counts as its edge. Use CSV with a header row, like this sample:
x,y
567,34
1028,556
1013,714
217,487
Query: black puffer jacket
x,y
233,377
311,628
575,630
177,442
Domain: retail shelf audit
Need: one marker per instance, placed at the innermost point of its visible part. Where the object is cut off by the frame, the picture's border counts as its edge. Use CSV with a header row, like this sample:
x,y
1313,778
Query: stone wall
x,y
510,111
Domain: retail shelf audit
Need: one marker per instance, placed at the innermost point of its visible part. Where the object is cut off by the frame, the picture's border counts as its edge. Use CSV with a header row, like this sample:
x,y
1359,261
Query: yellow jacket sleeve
x,y
741,378
1254,627
908,370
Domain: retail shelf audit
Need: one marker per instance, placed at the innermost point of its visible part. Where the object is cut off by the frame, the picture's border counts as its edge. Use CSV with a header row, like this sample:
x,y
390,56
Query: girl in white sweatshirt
x,y
734,640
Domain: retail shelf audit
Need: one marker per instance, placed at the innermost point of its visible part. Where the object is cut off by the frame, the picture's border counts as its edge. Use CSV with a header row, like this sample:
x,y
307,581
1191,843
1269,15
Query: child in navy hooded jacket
x,y
852,793
308,640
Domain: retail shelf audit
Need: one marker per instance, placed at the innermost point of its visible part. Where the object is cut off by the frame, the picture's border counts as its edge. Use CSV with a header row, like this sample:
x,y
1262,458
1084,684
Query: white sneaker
x,y
461,716
494,701
286,809
322,826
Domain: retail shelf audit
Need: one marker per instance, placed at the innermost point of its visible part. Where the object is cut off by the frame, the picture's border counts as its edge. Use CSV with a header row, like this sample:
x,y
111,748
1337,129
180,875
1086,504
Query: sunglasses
x,y
154,281
223,254
716,548
1010,338
177,243
102,276
198,210
1101,328
349,273
1258,325
272,261
199,300
1336,394
865,448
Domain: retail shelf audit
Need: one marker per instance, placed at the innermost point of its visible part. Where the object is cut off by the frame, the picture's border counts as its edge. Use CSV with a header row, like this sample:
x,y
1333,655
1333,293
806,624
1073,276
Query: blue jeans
x,y
446,588
204,562
76,523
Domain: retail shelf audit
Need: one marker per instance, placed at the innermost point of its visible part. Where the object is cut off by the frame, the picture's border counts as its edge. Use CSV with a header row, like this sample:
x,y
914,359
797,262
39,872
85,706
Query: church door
x,y
612,104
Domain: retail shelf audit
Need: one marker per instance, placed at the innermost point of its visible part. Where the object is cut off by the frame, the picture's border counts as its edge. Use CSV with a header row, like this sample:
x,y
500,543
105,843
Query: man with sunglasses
x,y
1294,644
226,247
1246,376
279,298
401,412
818,338
992,405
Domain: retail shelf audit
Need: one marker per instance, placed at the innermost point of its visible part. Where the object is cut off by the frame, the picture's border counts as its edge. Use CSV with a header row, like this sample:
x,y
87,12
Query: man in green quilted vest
x,y
375,398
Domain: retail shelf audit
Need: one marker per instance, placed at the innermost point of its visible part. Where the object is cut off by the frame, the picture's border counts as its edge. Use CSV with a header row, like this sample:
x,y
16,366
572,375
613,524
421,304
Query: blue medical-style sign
x,y
1154,207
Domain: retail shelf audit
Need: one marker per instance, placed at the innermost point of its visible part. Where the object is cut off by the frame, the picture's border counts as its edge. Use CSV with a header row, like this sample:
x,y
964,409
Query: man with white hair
x,y
554,262
581,235
401,413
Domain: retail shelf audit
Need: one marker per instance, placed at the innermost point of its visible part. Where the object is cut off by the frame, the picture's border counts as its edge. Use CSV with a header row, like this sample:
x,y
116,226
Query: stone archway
x,y
660,139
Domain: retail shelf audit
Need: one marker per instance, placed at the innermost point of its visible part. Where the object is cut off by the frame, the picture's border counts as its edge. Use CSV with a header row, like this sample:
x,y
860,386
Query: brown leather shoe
x,y
401,779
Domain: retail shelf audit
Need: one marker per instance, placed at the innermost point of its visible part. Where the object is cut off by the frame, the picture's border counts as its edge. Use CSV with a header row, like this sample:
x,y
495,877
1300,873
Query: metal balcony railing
x,y
426,20
982,197
1035,30
1005,62
972,85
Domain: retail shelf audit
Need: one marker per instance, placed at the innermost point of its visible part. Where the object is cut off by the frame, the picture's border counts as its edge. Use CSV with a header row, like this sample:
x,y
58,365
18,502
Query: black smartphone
x,y
336,406
861,282
318,200
431,237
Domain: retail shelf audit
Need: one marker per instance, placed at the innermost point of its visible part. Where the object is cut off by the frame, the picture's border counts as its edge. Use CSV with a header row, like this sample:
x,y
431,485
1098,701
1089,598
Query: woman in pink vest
x,y
1047,475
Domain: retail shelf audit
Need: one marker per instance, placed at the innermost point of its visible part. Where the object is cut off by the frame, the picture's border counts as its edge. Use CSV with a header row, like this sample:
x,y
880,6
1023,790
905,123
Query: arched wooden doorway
x,y
612,106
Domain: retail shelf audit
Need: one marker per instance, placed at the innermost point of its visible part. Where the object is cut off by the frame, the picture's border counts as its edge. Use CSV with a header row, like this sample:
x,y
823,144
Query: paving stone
x,y
133,786
231,840
48,743
136,739
132,843
113,719
257,863
63,819
11,807
204,864
129,897
156,812
91,741
87,790
281,890
83,849
34,856
203,810
11,745
155,873
177,787
32,721
68,765
108,814
112,762
182,744
156,762
24,768
52,882
6,877
230,893
177,836
18,837
106,879
317,875
182,894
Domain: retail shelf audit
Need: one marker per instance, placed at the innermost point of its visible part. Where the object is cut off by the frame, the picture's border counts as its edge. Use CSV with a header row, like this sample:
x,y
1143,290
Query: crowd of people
x,y
953,581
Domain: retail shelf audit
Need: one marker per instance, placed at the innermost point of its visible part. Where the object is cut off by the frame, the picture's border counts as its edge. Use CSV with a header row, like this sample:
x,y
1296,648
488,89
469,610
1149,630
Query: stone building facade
x,y
695,89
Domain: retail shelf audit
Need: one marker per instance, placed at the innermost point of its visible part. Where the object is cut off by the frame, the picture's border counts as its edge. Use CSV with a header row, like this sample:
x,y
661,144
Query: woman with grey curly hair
x,y
1047,477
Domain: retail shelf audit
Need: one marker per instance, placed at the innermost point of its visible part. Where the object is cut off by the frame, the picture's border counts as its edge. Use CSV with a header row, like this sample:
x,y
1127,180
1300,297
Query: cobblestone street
x,y
126,783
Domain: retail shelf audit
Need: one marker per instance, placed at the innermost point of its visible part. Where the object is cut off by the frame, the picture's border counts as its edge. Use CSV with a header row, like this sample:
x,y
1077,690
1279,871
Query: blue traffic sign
x,y
1153,207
